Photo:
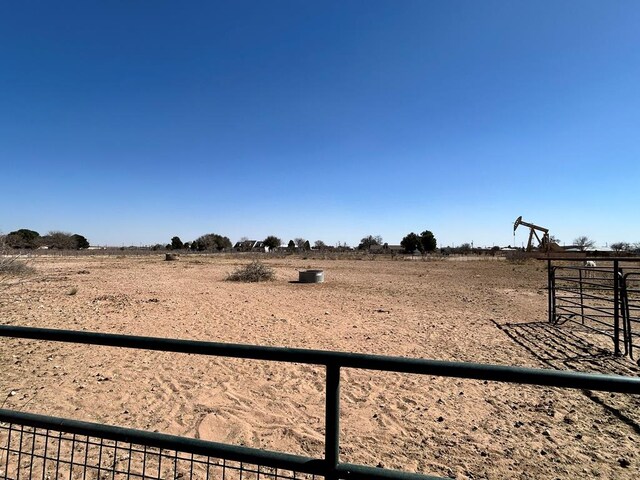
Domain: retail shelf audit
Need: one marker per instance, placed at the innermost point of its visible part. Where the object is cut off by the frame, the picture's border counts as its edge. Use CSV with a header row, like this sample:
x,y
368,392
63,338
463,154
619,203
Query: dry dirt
x,y
481,311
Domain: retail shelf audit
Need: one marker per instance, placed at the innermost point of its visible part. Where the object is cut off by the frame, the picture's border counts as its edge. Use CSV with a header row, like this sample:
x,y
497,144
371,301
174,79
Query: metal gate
x,y
603,299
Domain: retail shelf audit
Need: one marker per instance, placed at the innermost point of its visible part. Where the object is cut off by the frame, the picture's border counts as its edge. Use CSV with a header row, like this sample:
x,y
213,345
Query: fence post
x,y
616,306
581,295
332,421
551,292
626,323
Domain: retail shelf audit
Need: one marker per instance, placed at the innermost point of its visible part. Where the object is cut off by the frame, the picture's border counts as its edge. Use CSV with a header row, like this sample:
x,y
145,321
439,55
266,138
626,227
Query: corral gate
x,y
37,446
604,298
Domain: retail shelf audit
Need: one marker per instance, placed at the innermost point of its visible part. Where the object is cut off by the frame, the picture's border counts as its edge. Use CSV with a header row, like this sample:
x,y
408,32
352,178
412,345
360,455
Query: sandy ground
x,y
481,311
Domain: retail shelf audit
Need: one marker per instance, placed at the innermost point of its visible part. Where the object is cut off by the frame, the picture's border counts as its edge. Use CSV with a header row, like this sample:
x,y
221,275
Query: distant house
x,y
250,246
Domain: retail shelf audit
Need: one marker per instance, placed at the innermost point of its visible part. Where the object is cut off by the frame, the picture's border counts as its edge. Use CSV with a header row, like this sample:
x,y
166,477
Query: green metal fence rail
x,y
206,455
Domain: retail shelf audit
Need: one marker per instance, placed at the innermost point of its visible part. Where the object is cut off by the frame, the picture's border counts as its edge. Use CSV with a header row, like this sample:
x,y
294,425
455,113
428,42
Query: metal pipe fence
x,y
584,295
35,446
631,309
603,299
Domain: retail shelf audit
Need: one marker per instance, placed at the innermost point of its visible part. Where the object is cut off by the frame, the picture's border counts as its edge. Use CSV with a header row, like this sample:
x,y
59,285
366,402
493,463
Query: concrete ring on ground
x,y
311,276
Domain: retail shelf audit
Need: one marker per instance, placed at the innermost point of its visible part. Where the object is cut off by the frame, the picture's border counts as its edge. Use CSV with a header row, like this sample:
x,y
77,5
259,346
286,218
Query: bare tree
x,y
621,247
300,242
342,245
465,248
59,240
584,242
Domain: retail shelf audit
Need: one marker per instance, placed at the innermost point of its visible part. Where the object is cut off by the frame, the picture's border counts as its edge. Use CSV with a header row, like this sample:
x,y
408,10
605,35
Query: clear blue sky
x,y
131,122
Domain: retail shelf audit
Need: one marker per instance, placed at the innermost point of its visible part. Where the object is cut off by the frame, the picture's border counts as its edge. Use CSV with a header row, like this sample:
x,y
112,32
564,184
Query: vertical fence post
x,y
581,295
626,324
332,421
616,306
551,292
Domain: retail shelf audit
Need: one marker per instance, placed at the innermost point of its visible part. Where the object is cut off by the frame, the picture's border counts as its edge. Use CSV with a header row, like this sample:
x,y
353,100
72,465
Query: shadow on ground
x,y
567,347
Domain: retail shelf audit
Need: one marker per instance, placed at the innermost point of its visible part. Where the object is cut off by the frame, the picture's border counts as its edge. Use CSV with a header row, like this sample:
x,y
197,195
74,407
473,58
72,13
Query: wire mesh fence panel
x,y
34,453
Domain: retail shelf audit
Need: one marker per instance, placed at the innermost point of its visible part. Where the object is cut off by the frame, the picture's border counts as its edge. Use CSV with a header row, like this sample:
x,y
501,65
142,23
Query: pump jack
x,y
545,243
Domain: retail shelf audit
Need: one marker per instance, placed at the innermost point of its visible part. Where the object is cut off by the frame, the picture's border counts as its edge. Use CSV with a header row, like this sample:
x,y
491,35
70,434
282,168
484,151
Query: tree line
x,y
30,239
213,242
585,243
424,243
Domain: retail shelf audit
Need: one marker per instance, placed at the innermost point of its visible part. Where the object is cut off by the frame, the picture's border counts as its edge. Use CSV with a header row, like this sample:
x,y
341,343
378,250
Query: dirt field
x,y
481,311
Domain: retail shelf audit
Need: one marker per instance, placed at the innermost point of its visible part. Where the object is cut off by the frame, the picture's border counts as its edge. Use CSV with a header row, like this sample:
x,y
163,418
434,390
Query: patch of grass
x,y
13,266
255,271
